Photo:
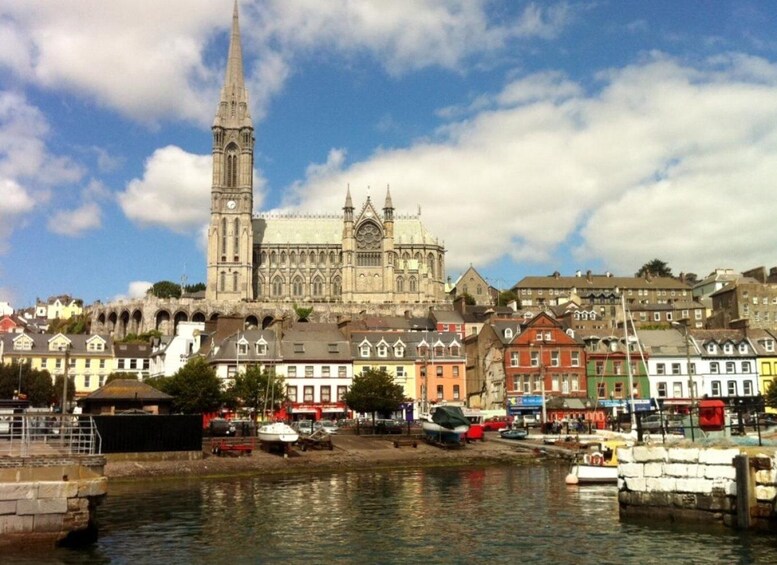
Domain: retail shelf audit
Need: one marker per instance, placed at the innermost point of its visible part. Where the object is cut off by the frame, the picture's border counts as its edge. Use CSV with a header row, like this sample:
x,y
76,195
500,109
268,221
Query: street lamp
x,y
691,384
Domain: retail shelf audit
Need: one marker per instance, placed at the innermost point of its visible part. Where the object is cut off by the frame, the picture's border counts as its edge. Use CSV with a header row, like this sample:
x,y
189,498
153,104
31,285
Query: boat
x,y
514,433
277,433
446,425
599,465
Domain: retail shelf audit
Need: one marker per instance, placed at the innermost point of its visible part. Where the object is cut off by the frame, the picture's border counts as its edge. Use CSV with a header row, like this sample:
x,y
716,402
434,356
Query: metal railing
x,y
24,435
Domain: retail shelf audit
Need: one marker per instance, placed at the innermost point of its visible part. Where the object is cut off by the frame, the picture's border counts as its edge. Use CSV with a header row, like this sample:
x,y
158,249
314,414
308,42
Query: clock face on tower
x,y
231,204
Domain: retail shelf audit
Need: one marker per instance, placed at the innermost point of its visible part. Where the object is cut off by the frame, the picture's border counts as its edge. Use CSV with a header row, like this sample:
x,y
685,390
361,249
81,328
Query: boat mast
x,y
628,362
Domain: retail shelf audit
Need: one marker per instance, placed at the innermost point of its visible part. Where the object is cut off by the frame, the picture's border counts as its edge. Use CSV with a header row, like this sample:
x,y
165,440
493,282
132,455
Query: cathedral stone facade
x,y
369,256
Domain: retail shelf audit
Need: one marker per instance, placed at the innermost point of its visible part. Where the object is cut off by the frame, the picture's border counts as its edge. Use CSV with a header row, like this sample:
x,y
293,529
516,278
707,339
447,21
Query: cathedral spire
x,y
388,204
233,107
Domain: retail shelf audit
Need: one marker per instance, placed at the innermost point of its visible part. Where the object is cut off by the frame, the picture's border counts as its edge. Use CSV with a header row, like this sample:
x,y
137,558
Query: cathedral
x,y
368,255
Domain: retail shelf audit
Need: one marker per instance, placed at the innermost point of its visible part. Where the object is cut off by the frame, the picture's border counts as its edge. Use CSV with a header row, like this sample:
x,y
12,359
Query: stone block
x,y
676,470
719,472
637,484
684,500
57,489
7,507
660,484
683,454
695,485
77,504
48,522
18,491
654,469
764,493
627,470
718,456
725,487
625,454
93,487
76,521
646,453
767,477
15,524
42,506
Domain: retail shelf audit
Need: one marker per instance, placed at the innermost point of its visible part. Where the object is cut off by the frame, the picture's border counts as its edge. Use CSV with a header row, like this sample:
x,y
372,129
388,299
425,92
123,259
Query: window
x,y
525,382
656,316
292,372
382,350
102,363
747,388
730,367
728,348
714,368
87,381
675,368
769,345
677,390
715,388
326,371
766,369
554,383
661,390
575,383
455,351
600,367
513,358
555,358
456,392
364,350
668,316
439,392
575,362
439,350
745,366
399,351
618,390
326,394
743,348
732,388
535,358
342,371
401,373
341,390
660,369
308,394
308,371
711,348
617,367
601,390
438,370
455,370
261,349
565,384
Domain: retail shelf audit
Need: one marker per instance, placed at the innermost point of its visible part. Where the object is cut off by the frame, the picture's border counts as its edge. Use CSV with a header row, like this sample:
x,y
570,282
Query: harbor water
x,y
502,514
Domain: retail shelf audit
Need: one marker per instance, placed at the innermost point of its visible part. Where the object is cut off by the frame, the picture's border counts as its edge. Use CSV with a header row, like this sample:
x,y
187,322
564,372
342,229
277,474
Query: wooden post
x,y
744,491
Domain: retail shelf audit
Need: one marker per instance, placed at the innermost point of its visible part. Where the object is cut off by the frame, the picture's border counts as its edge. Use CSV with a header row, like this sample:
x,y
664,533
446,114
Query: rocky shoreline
x,y
349,453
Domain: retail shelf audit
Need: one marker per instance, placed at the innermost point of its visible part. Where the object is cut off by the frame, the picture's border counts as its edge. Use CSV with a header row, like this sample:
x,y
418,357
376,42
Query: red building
x,y
543,361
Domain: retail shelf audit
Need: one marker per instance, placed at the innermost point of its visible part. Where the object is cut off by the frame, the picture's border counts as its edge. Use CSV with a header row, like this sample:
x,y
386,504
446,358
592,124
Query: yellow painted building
x,y
765,345
59,307
89,358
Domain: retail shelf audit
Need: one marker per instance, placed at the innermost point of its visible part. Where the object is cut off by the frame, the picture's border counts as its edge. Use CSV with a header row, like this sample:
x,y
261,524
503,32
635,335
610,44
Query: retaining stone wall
x,y
691,484
49,499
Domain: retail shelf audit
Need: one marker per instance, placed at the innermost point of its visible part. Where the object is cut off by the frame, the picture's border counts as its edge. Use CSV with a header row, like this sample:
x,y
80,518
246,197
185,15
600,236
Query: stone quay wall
x,y
50,500
698,484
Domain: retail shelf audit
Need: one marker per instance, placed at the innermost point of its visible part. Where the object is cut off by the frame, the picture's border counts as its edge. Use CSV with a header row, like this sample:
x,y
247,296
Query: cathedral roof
x,y
328,230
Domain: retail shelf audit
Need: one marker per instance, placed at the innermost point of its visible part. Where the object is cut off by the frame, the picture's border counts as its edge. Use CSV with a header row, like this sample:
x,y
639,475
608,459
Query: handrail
x,y
39,433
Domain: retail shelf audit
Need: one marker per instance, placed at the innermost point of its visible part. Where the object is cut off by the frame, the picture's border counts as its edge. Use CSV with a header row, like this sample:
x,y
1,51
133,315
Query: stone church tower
x,y
230,235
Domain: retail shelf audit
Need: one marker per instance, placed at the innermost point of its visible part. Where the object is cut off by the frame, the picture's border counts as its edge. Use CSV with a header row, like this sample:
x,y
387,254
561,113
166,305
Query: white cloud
x,y
136,289
151,60
664,160
174,191
75,222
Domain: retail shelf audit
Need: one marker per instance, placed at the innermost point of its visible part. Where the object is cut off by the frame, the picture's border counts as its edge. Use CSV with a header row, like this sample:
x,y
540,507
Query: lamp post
x,y
691,383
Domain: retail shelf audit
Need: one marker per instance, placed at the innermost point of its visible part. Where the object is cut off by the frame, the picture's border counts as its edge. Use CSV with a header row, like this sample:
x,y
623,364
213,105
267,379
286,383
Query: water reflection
x,y
494,515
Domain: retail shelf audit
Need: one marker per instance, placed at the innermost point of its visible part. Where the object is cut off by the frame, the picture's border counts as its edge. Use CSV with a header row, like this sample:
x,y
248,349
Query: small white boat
x,y
277,432
598,466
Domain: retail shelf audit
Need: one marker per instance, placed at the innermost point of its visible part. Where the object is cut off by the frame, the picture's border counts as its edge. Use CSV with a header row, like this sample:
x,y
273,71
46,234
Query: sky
x,y
533,136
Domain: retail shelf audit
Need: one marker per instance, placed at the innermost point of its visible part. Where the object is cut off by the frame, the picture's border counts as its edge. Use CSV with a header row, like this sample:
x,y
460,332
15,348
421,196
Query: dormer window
x,y
508,333
399,350
712,348
728,348
423,350
454,350
769,345
364,350
743,348
261,348
439,350
242,348
382,350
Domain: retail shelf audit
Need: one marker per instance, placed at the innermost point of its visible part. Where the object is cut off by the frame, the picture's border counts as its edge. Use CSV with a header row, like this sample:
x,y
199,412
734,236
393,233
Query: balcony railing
x,y
40,434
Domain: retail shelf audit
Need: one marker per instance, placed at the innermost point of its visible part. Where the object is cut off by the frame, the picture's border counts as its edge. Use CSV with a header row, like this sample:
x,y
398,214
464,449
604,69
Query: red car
x,y
496,423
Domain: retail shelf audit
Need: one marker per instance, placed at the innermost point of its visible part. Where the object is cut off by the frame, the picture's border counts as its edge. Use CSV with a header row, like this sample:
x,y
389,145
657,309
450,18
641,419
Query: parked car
x,y
220,427
496,423
303,426
327,425
389,427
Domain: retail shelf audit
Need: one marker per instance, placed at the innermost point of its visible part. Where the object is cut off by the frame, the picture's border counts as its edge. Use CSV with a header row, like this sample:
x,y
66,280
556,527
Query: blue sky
x,y
534,136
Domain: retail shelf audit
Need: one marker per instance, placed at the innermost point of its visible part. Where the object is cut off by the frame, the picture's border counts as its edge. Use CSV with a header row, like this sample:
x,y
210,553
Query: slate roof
x,y
127,389
600,282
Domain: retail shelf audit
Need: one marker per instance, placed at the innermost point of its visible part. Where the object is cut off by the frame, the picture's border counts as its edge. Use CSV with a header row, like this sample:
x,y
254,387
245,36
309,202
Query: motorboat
x,y
446,425
277,433
514,433
599,465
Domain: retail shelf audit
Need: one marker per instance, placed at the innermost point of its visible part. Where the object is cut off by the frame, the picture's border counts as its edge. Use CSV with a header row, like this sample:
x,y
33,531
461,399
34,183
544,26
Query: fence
x,y
149,433
24,435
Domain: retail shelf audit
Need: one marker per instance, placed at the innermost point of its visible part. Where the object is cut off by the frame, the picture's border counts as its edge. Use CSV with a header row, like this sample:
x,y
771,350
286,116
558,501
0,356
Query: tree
x,y
192,288
656,268
116,375
303,313
21,380
78,324
374,391
145,337
469,300
257,389
195,387
505,297
770,395
165,289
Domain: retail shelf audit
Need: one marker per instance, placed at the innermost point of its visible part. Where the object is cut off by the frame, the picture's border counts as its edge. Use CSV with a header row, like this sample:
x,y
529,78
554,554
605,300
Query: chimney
x,y
589,276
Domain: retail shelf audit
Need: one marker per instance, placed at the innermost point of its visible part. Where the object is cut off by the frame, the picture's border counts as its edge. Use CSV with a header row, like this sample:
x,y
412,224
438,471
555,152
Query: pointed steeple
x,y
388,206
348,201
348,208
233,107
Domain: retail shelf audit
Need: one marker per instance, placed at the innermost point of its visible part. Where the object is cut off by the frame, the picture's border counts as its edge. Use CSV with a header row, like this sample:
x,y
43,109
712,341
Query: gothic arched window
x,y
318,286
222,281
223,237
231,157
400,285
430,264
413,285
235,281
236,239
337,286
277,286
297,286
